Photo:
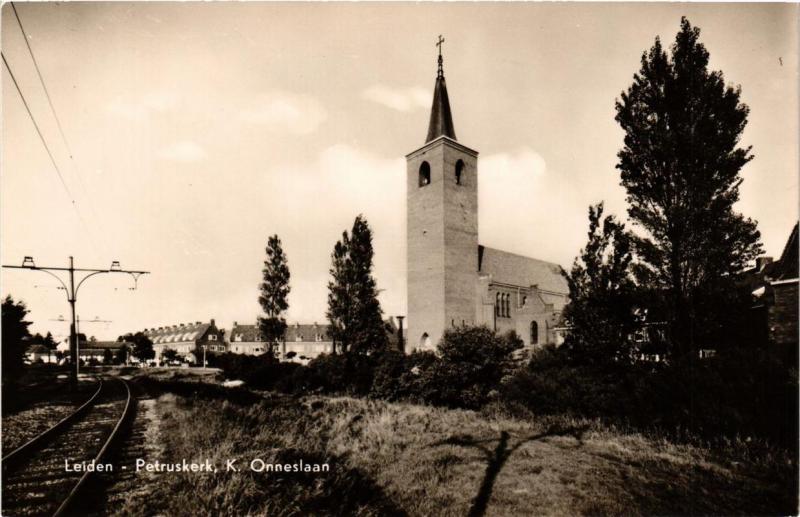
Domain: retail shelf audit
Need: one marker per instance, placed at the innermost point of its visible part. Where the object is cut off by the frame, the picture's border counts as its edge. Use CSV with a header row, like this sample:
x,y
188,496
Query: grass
x,y
402,459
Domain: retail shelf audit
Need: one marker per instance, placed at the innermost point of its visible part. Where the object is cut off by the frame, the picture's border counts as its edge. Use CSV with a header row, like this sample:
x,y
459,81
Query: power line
x,y
46,147
55,115
38,131
41,79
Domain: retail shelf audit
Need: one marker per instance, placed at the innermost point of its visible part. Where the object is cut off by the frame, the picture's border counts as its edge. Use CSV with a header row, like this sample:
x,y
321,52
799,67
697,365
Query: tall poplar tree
x,y
354,312
681,168
274,292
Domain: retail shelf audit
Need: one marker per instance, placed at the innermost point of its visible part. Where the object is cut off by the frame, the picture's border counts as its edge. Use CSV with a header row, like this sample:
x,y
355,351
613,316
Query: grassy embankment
x,y
405,459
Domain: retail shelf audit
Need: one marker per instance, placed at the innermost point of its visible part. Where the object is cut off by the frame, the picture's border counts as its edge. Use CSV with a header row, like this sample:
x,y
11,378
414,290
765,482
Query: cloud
x,y
281,111
309,206
141,108
524,207
185,151
398,99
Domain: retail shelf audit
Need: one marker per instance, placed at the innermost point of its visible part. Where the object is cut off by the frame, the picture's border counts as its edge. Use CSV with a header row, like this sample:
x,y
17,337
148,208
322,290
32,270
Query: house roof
x,y
177,333
104,345
307,332
786,267
510,268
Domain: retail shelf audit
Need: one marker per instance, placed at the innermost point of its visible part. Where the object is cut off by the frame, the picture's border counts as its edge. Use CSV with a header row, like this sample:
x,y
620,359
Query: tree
x,y
169,355
142,346
122,354
274,291
601,310
15,337
680,167
354,311
49,341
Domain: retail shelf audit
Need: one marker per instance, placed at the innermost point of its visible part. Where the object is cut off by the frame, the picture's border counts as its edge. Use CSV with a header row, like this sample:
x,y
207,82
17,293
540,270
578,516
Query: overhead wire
x,y
38,131
46,147
41,78
57,119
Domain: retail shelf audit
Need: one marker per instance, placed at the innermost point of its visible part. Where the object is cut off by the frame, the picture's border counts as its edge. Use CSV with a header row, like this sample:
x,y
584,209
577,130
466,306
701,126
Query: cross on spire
x,y
440,71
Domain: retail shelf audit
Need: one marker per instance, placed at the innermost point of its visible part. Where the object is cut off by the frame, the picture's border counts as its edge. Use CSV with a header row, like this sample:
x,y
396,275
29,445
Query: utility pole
x,y
400,343
72,297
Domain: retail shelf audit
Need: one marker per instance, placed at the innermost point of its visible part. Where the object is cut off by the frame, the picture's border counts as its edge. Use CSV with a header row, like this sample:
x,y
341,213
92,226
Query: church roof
x,y
441,123
509,268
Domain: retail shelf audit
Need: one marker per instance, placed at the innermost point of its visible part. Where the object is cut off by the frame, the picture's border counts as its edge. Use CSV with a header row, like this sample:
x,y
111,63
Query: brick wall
x,y
783,315
442,242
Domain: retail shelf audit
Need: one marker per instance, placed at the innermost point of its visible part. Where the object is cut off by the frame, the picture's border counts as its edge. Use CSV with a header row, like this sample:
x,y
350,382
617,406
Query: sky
x,y
193,131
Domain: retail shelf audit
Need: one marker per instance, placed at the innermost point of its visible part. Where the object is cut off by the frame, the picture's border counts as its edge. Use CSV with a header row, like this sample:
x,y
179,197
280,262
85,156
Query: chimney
x,y
235,325
212,322
762,261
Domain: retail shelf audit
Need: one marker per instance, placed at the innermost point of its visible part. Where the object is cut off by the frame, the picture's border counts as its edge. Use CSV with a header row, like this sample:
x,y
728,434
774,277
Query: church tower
x,y
442,213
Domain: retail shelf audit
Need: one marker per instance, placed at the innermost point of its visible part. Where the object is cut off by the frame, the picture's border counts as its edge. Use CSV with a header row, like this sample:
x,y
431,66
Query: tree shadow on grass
x,y
496,459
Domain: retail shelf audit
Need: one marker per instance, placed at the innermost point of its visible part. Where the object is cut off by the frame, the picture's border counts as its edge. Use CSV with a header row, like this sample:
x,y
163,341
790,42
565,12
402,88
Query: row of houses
x,y
89,350
301,343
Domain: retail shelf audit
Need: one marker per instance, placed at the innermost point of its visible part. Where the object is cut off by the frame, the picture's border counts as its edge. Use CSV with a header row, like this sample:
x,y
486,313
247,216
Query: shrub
x,y
341,373
737,393
260,372
399,376
471,363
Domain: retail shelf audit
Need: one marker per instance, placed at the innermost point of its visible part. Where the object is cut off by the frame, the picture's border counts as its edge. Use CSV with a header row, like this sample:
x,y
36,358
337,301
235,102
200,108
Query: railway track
x,y
36,480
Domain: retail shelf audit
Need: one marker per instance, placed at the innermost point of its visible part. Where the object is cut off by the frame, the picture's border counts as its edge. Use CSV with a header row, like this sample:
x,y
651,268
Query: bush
x,y
471,363
341,373
738,393
260,372
398,376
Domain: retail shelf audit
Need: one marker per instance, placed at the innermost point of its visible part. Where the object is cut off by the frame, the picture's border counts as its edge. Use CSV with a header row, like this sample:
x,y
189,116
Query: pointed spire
x,y
441,122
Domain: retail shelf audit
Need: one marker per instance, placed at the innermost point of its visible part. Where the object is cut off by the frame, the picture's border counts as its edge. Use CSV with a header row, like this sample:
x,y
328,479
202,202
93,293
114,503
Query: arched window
x,y
424,174
459,171
497,303
425,340
534,333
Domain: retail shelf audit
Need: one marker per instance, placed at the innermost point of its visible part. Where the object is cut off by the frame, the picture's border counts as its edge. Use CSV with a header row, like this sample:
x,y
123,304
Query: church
x,y
452,279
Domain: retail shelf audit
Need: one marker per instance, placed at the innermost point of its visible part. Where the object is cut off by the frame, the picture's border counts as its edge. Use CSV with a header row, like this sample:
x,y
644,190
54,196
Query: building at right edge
x,y
452,279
